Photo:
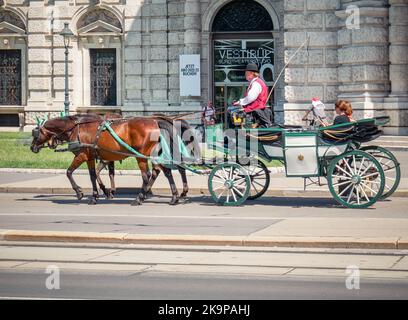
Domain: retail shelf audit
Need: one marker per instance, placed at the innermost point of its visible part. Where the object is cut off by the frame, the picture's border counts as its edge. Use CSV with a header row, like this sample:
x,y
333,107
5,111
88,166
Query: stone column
x,y
397,102
192,41
399,47
363,55
313,71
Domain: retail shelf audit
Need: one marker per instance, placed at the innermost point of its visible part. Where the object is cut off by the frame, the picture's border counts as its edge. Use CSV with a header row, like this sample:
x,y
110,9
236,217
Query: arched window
x,y
100,36
12,59
242,15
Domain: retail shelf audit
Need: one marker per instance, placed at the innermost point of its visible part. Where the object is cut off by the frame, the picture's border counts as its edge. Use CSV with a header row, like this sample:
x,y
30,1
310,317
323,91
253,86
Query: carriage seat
x,y
265,136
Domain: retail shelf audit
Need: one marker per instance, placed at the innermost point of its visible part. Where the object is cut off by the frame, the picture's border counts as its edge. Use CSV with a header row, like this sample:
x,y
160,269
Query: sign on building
x,y
190,83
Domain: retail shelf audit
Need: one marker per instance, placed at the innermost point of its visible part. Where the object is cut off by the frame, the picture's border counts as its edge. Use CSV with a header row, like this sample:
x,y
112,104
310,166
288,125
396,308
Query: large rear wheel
x,y
229,184
356,179
390,165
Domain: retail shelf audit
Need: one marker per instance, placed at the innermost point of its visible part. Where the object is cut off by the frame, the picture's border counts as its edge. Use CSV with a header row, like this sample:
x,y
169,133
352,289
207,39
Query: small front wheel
x,y
356,179
229,184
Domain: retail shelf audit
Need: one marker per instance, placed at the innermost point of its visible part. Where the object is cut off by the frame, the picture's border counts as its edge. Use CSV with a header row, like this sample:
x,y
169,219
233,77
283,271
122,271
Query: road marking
x,y
37,298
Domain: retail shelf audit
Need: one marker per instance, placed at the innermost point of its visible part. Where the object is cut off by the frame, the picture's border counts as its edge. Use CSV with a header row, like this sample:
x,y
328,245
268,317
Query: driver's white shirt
x,y
254,90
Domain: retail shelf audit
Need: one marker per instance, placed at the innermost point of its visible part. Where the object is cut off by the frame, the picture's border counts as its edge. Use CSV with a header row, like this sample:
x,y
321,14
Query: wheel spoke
x,y
345,189
341,177
220,195
348,166
366,186
366,169
361,165
350,194
239,192
370,175
365,194
340,168
218,188
233,194
216,175
357,195
340,183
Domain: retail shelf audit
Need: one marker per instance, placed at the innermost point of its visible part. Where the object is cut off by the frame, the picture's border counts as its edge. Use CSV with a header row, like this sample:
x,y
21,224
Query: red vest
x,y
259,102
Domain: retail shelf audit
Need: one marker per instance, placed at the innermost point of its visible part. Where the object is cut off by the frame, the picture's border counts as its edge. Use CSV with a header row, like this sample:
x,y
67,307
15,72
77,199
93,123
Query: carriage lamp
x,y
66,33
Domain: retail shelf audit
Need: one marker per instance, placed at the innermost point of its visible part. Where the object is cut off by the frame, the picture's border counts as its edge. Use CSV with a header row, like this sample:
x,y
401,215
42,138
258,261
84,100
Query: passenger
x,y
344,112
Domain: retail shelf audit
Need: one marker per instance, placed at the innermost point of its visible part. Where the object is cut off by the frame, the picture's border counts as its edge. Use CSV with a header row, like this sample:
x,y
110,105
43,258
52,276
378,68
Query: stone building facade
x,y
124,55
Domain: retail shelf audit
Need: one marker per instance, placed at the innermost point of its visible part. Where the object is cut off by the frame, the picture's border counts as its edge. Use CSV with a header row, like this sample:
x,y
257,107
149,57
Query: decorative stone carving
x,y
99,14
243,15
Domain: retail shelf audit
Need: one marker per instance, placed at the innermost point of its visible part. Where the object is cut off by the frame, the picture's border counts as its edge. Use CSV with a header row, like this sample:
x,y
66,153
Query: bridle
x,y
56,137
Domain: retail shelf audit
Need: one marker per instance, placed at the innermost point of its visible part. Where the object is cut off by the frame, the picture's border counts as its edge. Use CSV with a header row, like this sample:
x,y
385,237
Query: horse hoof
x,y
173,202
79,195
92,201
112,194
185,199
135,203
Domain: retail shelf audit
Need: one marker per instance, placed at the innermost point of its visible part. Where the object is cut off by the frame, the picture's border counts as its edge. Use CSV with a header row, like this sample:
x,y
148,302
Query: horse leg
x,y
78,160
169,176
185,184
153,177
92,174
111,168
144,168
99,168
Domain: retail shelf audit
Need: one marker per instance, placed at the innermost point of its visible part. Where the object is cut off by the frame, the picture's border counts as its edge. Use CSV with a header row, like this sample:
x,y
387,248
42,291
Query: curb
x,y
192,191
203,240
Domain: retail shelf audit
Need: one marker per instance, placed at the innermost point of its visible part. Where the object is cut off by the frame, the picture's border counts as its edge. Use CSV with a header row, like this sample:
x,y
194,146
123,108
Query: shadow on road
x,y
126,199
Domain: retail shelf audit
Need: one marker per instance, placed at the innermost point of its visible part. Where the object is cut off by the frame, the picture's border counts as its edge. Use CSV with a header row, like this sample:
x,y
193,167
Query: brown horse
x,y
93,143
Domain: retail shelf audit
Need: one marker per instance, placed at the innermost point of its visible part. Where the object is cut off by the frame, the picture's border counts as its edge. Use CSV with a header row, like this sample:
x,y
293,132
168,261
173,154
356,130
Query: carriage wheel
x,y
356,179
229,184
390,165
258,176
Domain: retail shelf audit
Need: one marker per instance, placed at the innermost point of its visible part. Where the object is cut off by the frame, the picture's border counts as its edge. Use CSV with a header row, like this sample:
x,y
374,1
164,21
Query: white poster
x,y
190,83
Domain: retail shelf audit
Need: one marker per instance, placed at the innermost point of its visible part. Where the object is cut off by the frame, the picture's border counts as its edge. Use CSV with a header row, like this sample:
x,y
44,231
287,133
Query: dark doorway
x,y
103,77
241,34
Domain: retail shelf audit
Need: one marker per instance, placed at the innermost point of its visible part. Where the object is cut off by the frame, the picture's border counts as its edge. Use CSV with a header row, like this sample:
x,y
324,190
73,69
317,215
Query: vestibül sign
x,y
190,83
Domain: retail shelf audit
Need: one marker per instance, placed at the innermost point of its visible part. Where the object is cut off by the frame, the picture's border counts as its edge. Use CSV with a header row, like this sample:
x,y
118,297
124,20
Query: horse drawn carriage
x,y
357,176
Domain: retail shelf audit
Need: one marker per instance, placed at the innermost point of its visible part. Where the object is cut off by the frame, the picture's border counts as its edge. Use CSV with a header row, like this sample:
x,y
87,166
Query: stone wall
x,y
367,66
313,70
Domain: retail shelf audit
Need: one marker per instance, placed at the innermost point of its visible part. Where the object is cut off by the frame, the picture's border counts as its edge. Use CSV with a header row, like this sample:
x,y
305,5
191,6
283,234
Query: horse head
x,y
50,133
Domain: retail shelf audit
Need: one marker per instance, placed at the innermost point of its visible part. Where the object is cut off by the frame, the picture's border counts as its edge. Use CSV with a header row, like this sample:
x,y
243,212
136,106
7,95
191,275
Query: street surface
x,y
101,271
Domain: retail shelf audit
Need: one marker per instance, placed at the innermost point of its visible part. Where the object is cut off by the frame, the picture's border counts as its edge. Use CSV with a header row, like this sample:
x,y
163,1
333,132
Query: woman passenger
x,y
344,112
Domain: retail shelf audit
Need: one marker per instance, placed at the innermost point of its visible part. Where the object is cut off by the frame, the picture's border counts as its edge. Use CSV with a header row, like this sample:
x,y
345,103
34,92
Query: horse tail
x,y
168,128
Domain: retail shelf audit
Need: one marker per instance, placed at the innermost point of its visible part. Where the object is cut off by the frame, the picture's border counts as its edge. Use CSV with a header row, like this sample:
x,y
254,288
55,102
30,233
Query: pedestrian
x,y
207,117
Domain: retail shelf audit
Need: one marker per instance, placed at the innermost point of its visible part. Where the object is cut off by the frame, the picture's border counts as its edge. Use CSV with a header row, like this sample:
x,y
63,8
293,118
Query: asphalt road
x,y
74,285
201,216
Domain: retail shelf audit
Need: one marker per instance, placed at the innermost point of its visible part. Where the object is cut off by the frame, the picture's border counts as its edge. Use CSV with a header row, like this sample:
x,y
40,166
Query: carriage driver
x,y
256,97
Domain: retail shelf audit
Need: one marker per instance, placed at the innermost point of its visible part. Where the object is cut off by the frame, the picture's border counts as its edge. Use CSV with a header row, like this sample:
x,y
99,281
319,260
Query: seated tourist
x,y
344,112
